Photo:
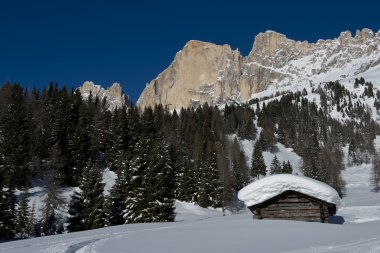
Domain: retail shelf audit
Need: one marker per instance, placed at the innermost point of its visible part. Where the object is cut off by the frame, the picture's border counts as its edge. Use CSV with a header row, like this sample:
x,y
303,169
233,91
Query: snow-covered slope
x,y
204,230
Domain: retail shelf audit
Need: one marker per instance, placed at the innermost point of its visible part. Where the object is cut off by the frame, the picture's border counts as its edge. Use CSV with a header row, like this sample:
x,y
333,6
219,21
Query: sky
x,y
131,42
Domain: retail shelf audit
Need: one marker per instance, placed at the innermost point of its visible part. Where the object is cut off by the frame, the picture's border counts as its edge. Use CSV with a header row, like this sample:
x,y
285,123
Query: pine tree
x,y
32,226
150,196
239,169
135,201
7,213
209,188
53,199
75,220
23,215
275,167
159,183
119,192
376,173
14,136
287,167
184,175
258,165
86,208
80,143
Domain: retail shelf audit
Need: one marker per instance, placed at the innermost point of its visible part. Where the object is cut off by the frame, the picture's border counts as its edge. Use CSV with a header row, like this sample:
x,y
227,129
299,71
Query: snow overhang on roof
x,y
271,186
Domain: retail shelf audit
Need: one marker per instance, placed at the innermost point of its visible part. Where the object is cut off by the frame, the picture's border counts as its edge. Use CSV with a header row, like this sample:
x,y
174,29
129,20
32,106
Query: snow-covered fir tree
x,y
86,208
22,220
258,167
275,166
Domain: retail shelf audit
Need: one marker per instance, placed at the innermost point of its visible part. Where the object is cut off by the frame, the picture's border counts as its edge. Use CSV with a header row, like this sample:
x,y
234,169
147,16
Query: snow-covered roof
x,y
269,187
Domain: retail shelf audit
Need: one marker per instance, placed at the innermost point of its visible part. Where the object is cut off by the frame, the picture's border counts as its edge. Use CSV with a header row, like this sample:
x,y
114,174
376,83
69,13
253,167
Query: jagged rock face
x,y
114,95
205,72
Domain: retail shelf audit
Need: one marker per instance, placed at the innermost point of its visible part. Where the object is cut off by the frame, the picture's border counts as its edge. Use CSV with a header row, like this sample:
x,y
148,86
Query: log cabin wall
x,y
293,206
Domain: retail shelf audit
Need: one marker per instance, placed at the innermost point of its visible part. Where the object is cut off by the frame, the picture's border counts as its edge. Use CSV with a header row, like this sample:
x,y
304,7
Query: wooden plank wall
x,y
293,207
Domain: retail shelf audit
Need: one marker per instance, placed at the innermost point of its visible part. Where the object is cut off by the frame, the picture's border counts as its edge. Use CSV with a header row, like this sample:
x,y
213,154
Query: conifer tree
x,y
75,219
376,173
258,167
287,167
14,136
52,202
150,196
33,226
159,184
184,175
119,192
7,213
88,205
23,215
275,166
239,169
209,189
135,201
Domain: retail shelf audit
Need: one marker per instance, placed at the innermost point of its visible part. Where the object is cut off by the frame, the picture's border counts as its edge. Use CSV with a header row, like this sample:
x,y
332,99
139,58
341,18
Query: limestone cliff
x,y
114,95
204,72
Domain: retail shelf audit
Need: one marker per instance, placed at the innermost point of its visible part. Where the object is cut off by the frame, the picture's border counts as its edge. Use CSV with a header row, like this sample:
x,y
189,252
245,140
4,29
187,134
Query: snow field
x,y
206,230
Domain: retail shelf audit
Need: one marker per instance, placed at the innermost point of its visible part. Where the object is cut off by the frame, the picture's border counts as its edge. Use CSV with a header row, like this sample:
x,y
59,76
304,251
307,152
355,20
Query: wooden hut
x,y
290,197
293,205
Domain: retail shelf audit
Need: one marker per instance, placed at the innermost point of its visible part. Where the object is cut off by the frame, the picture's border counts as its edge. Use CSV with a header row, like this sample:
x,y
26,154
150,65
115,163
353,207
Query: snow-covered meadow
x,y
206,230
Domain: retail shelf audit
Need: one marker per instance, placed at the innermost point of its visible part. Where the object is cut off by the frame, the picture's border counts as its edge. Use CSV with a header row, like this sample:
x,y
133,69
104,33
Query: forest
x,y
194,155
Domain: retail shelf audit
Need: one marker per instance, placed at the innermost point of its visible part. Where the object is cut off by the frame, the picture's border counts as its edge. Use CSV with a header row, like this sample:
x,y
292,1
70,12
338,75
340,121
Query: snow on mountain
x,y
205,72
283,154
114,94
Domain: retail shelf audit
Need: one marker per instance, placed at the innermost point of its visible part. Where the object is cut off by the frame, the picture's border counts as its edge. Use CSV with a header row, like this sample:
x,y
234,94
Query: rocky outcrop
x,y
114,95
204,72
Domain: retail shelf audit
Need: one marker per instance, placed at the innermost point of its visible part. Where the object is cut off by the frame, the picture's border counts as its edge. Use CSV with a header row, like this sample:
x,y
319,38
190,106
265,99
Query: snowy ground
x,y
206,230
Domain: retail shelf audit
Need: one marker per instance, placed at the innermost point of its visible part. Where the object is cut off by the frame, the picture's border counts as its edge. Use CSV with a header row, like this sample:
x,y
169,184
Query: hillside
x,y
233,233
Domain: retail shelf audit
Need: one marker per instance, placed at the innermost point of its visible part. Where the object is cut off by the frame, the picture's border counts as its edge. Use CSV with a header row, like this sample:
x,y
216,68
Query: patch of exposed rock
x,y
204,72
114,95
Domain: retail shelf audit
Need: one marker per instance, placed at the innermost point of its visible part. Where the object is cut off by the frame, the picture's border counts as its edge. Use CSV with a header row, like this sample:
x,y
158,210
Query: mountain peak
x,y
268,41
206,72
114,94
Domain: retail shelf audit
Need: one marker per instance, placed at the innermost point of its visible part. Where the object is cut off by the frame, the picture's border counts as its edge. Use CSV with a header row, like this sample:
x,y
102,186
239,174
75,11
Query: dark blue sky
x,y
108,41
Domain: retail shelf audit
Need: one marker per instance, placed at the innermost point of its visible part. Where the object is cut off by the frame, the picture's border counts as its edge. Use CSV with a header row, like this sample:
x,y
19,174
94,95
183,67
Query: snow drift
x,y
269,187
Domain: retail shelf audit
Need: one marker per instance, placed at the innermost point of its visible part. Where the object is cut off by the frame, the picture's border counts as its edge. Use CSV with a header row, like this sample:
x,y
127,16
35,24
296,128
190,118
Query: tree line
x,y
55,136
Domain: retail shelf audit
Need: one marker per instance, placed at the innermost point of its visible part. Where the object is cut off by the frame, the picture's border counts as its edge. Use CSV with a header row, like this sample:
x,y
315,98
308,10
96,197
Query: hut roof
x,y
271,186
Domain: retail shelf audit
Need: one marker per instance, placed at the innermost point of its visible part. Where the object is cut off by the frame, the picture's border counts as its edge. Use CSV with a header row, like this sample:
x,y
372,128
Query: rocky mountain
x,y
204,72
114,94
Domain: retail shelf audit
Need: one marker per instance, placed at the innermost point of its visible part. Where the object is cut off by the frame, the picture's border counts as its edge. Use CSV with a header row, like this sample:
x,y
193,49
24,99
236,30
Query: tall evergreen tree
x,y
287,167
14,136
119,192
258,167
52,203
23,215
150,196
275,166
239,169
159,183
87,206
184,175
209,188
376,173
7,213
